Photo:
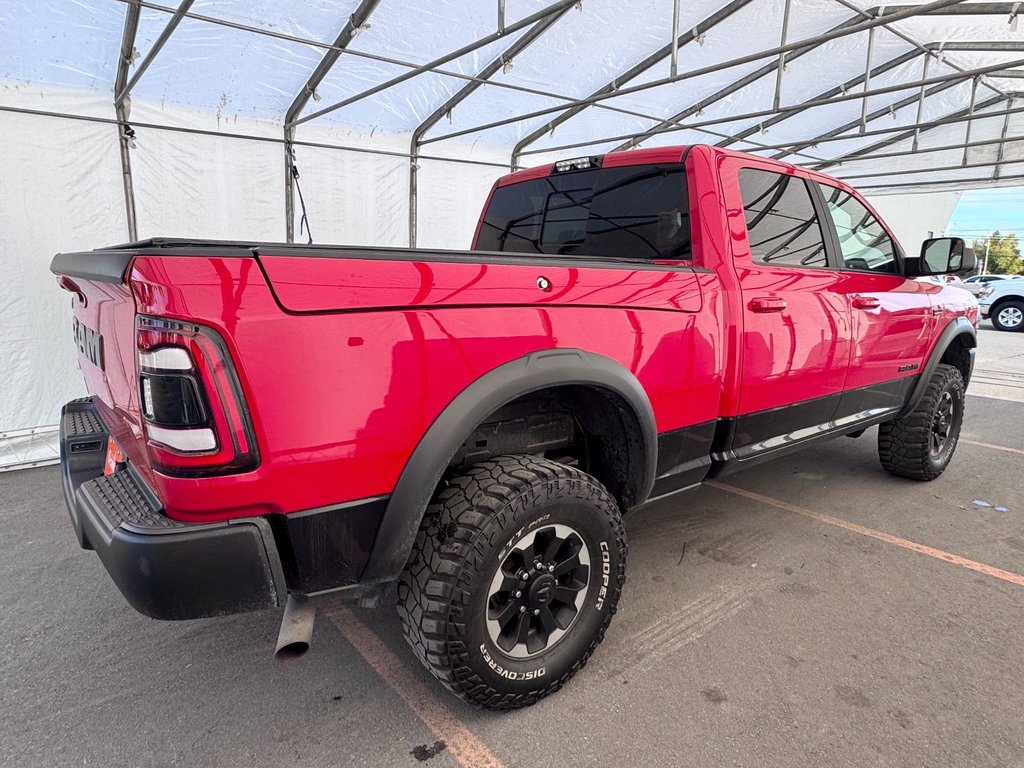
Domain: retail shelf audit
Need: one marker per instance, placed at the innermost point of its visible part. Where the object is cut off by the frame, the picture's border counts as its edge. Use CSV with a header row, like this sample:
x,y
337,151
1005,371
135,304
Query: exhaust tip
x,y
296,630
291,651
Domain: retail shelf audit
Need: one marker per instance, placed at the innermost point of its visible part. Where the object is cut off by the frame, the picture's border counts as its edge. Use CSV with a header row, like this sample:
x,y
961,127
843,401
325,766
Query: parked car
x,y
1003,302
463,430
951,280
976,283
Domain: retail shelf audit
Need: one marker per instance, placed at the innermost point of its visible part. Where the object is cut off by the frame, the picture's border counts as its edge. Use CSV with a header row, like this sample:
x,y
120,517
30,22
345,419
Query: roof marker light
x,y
578,164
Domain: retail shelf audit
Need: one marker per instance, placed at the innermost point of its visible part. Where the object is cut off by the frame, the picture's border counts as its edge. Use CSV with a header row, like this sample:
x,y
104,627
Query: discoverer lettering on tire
x,y
500,670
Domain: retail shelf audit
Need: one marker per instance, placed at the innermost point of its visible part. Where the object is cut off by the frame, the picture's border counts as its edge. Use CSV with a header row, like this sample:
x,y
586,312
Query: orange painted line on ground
x,y
913,546
990,445
462,743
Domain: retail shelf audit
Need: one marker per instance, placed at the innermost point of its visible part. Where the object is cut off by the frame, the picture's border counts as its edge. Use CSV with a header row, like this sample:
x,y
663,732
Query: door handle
x,y
866,302
767,304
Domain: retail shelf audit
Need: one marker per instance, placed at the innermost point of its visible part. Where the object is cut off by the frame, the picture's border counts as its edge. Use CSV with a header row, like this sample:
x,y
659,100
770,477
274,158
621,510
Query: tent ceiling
x,y
934,88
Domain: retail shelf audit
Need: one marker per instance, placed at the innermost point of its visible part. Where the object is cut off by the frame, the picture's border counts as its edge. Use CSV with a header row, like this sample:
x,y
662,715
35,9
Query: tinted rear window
x,y
638,211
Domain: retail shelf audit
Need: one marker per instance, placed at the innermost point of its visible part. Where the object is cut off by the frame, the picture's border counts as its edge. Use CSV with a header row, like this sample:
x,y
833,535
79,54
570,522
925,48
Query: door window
x,y
865,244
782,227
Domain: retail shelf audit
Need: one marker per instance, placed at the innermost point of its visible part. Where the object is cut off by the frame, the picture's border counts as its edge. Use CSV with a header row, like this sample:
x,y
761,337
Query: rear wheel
x,y
920,445
513,579
1009,316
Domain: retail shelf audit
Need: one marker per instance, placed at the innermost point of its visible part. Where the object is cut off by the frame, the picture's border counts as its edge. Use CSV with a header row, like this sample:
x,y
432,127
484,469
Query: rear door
x,y
892,318
796,322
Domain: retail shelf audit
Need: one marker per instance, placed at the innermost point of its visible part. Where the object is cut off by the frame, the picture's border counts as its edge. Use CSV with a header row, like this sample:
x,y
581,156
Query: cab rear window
x,y
638,211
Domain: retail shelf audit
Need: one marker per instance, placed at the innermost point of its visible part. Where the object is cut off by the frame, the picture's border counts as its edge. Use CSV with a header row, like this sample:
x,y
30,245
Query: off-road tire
x,y
443,592
1011,305
904,444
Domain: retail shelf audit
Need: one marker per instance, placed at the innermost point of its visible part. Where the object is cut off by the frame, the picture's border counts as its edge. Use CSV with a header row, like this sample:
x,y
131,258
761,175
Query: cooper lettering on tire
x,y
513,579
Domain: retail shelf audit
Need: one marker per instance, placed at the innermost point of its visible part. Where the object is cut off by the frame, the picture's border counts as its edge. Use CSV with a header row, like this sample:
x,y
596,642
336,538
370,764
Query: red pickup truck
x,y
269,423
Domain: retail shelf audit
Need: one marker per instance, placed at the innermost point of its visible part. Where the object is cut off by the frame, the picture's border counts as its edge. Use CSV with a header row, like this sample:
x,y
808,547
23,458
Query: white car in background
x,y
1003,302
975,283
943,280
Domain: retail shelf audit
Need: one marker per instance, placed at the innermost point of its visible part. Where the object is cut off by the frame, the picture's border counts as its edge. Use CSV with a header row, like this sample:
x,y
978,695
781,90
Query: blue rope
x,y
304,221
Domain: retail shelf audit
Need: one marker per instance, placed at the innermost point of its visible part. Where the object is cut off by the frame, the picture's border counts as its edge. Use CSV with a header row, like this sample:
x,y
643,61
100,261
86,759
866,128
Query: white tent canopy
x,y
123,119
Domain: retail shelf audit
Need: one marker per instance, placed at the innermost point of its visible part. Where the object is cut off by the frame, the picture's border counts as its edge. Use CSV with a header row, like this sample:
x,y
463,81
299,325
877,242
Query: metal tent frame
x,y
531,30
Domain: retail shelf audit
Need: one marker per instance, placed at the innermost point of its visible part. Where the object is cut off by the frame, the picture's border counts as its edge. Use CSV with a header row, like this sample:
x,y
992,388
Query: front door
x,y
892,319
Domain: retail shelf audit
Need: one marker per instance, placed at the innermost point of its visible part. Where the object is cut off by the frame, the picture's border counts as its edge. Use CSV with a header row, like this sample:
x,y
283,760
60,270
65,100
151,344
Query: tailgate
x,y
357,279
103,329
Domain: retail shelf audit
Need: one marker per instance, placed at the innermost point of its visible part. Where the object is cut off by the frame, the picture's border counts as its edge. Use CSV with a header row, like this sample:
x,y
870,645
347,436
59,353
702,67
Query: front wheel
x,y
513,579
920,445
1009,316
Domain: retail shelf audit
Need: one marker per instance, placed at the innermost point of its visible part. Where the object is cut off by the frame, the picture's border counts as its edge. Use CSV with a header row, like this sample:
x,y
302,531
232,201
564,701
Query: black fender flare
x,y
960,326
435,450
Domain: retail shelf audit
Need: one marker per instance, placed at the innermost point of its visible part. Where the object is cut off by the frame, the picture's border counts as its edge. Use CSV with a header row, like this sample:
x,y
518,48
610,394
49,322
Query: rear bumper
x,y
165,569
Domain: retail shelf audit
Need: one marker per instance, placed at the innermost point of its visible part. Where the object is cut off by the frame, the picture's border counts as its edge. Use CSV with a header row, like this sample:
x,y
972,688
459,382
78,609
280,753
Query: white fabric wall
x,y
917,217
62,191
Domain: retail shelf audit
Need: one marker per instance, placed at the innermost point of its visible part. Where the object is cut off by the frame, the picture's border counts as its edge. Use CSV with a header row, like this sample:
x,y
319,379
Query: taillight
x,y
191,400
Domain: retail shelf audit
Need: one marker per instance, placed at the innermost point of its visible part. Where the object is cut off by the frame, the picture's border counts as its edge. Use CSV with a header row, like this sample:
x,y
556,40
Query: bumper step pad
x,y
125,502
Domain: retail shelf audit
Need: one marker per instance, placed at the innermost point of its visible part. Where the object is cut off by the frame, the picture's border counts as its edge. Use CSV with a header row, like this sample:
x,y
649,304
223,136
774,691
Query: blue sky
x,y
982,210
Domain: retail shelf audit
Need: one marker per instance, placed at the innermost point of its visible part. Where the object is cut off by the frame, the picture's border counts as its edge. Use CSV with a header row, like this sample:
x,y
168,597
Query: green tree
x,y
1003,254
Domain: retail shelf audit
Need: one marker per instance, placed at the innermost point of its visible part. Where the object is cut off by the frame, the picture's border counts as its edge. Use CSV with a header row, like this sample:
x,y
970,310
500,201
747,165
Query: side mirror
x,y
942,256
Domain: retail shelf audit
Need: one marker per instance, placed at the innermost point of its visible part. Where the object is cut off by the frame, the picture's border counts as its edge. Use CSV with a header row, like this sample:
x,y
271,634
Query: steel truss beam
x,y
990,46
967,9
131,27
980,45
248,137
966,115
458,75
632,73
882,16
947,182
929,47
853,82
965,46
943,147
866,78
777,68
911,171
753,77
161,41
213,20
1002,140
889,109
348,33
431,66
352,27
520,45
954,77
889,131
